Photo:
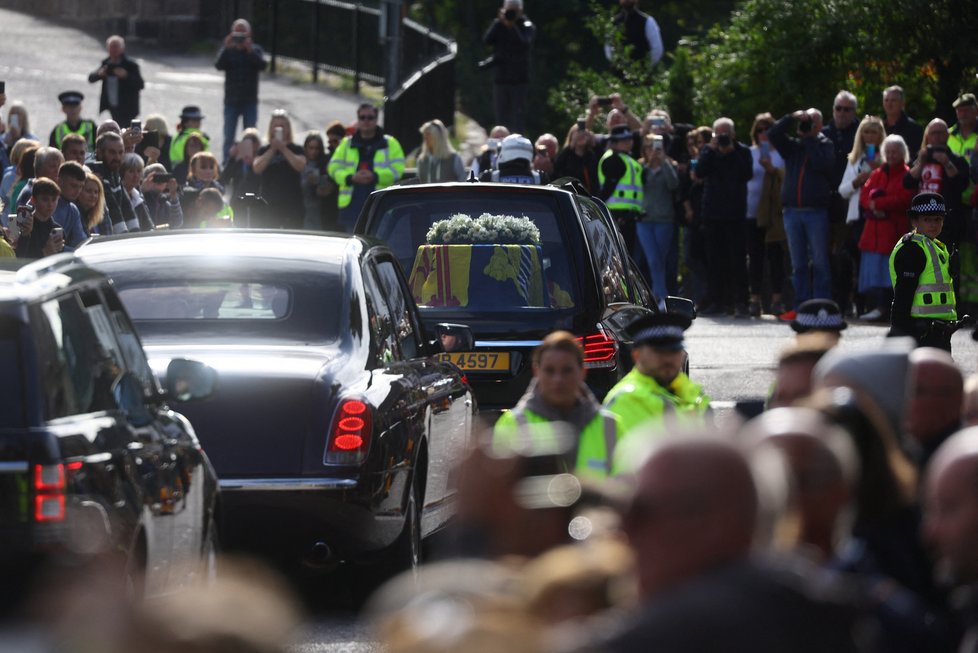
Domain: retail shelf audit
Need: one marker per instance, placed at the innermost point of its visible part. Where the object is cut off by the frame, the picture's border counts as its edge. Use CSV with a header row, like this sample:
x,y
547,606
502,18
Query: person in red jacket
x,y
884,202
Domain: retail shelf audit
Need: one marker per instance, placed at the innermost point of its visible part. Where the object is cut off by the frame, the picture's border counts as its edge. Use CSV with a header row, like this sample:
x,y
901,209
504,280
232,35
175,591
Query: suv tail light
x,y
599,350
349,434
49,493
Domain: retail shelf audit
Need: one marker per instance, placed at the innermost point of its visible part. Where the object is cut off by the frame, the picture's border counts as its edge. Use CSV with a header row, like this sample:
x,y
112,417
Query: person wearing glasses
x,y
362,163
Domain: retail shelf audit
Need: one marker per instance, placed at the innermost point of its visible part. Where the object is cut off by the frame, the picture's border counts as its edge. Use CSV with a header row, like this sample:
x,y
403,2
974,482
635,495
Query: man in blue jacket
x,y
242,61
809,161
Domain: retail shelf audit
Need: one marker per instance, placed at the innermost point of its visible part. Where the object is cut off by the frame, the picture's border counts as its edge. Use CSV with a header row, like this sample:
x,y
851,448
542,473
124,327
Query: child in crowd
x,y
38,235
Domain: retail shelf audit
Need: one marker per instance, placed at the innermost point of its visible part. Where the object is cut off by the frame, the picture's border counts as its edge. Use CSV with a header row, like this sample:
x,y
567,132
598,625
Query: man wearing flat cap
x,y
71,104
924,305
657,387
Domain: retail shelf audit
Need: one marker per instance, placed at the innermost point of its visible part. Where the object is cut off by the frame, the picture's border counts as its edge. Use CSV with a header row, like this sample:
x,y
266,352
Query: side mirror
x,y
188,380
453,337
682,306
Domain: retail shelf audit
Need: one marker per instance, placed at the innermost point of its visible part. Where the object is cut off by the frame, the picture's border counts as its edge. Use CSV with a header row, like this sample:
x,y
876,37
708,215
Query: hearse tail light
x,y
349,436
599,351
49,493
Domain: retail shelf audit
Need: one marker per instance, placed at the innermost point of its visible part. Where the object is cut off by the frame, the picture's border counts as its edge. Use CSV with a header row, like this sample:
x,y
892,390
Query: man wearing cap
x,y
190,119
620,179
923,290
121,82
513,165
241,60
963,135
819,315
73,122
657,387
558,394
511,37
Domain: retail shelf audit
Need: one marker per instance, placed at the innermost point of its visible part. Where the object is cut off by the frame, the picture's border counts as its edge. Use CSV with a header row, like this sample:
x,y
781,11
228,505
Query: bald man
x,y
935,392
951,519
691,524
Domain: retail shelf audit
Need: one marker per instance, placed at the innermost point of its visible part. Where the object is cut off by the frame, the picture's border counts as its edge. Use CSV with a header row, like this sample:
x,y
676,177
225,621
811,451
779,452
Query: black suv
x,y
578,278
92,462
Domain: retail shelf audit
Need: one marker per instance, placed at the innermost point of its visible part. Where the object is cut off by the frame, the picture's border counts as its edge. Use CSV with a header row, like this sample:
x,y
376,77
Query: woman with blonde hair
x,y
18,125
91,203
438,160
279,165
12,174
866,156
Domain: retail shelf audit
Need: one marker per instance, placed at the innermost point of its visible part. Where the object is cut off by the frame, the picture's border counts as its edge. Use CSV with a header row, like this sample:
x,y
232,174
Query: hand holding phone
x,y
14,121
136,127
604,101
871,152
279,134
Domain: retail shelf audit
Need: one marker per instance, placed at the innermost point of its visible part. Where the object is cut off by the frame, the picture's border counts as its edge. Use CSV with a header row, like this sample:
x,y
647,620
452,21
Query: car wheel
x,y
406,553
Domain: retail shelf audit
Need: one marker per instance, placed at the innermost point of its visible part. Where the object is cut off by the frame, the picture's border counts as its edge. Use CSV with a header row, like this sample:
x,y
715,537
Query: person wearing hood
x,y
362,163
558,395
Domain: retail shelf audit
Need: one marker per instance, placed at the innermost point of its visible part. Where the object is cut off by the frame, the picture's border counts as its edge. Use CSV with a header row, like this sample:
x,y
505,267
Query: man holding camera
x,y
511,37
725,166
809,164
241,60
121,82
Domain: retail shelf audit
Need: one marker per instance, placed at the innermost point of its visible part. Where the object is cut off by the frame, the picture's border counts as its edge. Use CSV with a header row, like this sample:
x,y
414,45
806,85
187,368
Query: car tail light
x,y
349,436
599,350
49,493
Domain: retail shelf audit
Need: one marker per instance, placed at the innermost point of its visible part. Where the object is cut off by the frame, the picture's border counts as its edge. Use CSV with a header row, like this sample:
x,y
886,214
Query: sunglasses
x,y
367,118
845,109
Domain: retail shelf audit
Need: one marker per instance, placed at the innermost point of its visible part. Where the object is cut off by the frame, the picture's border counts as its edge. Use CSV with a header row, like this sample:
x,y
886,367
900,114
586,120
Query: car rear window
x,y
482,277
213,300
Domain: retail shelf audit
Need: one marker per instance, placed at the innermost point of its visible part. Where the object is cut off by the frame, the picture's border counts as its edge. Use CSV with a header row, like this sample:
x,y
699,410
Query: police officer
x,y
73,122
657,387
819,316
620,179
924,306
558,394
190,119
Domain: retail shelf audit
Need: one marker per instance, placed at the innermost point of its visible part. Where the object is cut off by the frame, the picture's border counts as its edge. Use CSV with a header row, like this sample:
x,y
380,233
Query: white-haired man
x,y
121,82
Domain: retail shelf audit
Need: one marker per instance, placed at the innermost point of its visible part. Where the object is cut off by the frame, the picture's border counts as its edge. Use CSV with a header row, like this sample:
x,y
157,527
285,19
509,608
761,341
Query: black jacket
x,y
911,131
809,164
842,140
569,164
241,70
725,178
129,89
511,50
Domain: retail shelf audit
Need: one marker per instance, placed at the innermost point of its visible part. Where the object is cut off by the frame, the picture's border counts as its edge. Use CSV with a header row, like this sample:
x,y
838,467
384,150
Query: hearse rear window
x,y
211,300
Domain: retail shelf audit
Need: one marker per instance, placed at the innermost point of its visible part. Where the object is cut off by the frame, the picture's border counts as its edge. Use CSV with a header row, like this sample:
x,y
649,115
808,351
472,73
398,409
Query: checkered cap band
x,y
932,206
659,333
820,320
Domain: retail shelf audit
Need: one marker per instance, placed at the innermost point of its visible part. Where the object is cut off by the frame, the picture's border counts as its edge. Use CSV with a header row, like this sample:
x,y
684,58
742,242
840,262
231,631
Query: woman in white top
x,y
866,156
438,160
763,240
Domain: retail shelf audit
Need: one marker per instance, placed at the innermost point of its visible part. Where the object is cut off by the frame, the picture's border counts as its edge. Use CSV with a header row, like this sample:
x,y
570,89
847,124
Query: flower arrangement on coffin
x,y
462,229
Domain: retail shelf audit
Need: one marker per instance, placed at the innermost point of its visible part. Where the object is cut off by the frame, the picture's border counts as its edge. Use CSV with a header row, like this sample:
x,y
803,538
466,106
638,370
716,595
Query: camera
x,y
160,178
805,126
581,125
934,149
604,101
657,121
151,138
724,140
510,15
238,37
657,142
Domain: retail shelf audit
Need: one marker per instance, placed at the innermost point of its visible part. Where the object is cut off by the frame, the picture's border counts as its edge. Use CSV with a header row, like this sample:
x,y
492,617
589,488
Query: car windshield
x,y
264,300
484,277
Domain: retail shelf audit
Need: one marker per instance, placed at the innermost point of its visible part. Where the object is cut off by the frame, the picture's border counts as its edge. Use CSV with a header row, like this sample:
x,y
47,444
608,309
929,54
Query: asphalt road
x,y
39,59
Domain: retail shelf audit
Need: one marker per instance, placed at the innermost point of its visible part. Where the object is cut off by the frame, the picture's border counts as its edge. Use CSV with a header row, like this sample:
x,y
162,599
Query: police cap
x,y
660,330
818,315
70,98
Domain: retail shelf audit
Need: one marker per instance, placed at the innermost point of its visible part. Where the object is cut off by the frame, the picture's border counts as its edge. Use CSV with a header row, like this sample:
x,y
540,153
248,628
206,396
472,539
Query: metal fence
x,y
350,39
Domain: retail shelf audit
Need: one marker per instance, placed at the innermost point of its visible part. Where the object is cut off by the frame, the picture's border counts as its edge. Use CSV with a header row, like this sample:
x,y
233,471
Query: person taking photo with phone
x,y
280,165
939,170
242,61
39,235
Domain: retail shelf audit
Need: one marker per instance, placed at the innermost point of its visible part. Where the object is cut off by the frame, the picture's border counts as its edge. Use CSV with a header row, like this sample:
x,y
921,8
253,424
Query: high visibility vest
x,y
934,298
964,147
180,141
628,193
86,129
522,429
388,166
638,399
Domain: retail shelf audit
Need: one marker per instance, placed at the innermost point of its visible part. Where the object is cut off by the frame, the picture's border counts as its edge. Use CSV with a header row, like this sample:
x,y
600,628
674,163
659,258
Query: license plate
x,y
491,361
